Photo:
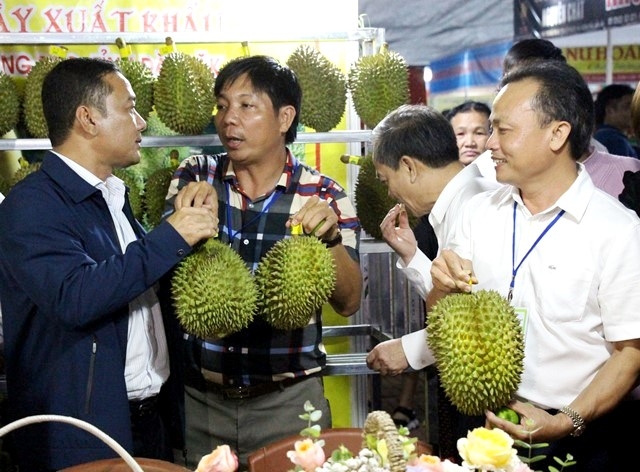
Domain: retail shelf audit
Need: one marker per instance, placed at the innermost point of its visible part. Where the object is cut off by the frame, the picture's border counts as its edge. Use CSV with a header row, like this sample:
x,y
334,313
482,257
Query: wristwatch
x,y
337,239
578,423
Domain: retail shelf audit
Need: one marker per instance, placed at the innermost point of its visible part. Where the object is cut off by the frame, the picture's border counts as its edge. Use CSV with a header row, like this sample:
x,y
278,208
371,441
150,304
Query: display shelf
x,y
198,140
360,34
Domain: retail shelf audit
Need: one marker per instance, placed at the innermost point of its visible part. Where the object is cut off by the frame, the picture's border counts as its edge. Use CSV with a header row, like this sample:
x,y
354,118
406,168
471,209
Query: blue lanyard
x,y
514,268
270,201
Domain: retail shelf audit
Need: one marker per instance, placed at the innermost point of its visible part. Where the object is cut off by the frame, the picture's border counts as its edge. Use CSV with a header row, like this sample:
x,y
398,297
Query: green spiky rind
x,y
183,93
214,292
136,190
10,99
155,195
142,81
294,279
32,103
378,84
4,186
324,88
154,158
22,172
478,345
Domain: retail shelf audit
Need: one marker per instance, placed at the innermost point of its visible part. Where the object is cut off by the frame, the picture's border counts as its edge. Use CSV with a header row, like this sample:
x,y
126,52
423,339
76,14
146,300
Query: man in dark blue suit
x,y
83,325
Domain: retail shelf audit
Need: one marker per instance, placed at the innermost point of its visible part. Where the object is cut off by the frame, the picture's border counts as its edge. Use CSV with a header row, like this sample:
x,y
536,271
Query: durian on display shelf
x,y
23,171
11,103
324,88
142,82
378,84
294,279
183,93
32,103
136,190
213,291
155,192
478,344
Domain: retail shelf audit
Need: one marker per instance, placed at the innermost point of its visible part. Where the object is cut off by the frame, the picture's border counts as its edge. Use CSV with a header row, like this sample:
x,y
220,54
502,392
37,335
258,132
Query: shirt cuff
x,y
418,273
417,350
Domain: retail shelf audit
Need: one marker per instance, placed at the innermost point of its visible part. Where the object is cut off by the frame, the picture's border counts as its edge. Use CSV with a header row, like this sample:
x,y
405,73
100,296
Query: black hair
x,y
609,94
562,95
531,49
71,83
417,131
468,106
267,76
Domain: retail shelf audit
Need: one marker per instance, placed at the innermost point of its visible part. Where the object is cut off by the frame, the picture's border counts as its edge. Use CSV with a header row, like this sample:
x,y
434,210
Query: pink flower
x,y
308,455
221,459
427,463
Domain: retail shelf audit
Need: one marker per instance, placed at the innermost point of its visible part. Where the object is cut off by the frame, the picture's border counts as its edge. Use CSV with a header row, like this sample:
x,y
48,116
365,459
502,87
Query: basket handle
x,y
80,424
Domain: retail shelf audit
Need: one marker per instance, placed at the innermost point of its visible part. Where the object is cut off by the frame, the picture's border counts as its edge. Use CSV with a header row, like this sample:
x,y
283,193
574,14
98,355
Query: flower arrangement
x,y
482,450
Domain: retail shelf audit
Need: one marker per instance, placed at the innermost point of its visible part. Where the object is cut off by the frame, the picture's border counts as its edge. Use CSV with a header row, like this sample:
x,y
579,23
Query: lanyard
x,y
514,268
270,201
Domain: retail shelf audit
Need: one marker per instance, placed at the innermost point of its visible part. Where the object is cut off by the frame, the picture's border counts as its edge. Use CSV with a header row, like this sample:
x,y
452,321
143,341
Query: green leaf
x,y
315,416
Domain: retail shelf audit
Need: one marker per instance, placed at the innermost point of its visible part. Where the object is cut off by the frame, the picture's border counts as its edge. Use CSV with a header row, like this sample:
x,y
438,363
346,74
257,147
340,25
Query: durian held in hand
x,y
478,345
214,292
295,278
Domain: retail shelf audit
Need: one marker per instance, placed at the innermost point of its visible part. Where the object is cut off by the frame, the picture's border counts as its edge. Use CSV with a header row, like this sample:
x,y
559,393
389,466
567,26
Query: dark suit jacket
x,y
65,286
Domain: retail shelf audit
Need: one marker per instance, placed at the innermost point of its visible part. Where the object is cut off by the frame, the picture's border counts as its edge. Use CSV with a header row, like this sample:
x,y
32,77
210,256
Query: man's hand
x,y
197,194
398,234
536,425
194,224
451,273
317,219
388,358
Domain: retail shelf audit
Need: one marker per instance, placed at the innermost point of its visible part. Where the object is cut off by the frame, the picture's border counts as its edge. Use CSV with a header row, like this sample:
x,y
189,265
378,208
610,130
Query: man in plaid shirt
x,y
247,389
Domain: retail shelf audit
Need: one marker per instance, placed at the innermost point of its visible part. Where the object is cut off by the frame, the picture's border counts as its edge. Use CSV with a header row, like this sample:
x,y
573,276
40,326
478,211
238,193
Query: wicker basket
x,y
126,462
381,425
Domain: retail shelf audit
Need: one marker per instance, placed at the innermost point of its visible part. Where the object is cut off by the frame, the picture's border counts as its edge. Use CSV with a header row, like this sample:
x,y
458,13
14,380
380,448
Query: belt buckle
x,y
237,393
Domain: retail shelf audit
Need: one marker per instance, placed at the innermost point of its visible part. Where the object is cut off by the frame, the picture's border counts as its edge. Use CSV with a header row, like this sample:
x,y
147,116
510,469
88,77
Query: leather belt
x,y
143,407
242,392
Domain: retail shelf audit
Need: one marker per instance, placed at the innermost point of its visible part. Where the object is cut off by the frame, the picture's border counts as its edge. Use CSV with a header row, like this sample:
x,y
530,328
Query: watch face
x,y
578,431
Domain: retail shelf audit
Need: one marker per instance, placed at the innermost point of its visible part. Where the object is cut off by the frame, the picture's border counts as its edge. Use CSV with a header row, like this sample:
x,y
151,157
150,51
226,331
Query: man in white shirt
x,y
566,254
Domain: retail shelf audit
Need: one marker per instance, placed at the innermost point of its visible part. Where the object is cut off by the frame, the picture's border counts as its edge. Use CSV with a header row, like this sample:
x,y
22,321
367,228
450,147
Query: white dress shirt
x,y
147,362
578,286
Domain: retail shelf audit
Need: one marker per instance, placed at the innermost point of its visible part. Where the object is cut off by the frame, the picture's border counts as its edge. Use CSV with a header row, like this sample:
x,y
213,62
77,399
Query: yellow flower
x,y
487,449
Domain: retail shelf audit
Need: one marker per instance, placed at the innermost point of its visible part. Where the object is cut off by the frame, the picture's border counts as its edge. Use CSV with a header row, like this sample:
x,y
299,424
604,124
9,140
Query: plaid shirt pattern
x,y
260,353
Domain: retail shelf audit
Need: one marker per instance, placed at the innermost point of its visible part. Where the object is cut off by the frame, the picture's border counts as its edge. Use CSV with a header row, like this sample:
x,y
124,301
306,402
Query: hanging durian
x,y
155,194
32,104
294,279
142,81
136,190
372,199
213,291
478,345
10,100
378,84
183,93
324,88
25,169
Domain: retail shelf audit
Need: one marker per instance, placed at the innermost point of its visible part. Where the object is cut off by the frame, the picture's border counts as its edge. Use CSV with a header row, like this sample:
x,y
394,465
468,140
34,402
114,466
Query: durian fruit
x,y
32,102
183,93
372,199
213,291
378,84
154,158
10,99
294,279
324,88
155,194
478,345
136,190
142,81
25,169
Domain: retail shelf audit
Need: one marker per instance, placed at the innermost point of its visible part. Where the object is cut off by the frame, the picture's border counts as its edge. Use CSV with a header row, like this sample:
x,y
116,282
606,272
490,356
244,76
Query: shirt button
x,y
245,242
250,205
181,252
231,349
